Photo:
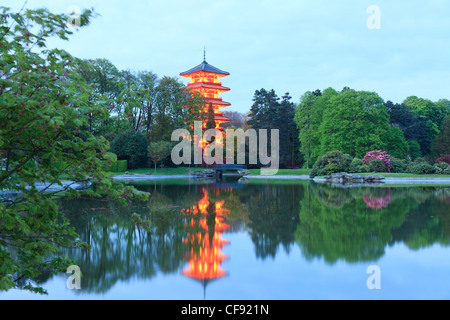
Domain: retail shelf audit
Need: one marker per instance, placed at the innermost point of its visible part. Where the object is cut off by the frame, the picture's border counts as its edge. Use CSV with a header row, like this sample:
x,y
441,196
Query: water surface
x,y
261,240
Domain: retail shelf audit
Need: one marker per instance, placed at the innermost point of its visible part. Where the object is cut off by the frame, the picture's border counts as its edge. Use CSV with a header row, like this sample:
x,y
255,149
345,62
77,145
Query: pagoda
x,y
204,79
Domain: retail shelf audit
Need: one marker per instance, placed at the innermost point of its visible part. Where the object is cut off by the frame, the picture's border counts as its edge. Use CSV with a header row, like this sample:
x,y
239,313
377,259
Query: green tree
x,y
431,112
131,146
354,122
158,151
211,123
44,104
395,143
441,145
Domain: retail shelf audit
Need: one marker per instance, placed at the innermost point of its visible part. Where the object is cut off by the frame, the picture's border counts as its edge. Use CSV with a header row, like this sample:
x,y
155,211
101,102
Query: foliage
x,y
414,149
379,156
445,158
158,151
211,123
267,112
131,146
117,166
377,165
44,117
441,145
399,165
308,118
421,168
355,166
441,168
331,162
395,143
354,122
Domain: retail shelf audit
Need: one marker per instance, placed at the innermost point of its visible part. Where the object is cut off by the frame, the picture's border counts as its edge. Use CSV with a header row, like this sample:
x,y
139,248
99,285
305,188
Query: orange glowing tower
x,y
204,79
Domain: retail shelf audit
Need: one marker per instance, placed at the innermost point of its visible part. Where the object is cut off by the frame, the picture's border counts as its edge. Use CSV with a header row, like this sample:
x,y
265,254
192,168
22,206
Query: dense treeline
x,y
145,109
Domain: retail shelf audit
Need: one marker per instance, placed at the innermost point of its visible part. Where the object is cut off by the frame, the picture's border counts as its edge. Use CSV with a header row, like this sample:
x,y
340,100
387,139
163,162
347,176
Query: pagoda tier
x,y
205,81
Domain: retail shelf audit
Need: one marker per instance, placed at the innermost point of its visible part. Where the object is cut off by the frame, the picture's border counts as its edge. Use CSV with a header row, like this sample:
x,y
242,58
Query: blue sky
x,y
285,45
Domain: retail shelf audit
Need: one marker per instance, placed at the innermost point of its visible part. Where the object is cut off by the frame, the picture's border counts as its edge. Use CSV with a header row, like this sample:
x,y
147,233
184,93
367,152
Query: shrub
x,y
122,165
364,168
355,165
421,168
442,168
331,162
398,165
377,165
378,155
445,159
131,146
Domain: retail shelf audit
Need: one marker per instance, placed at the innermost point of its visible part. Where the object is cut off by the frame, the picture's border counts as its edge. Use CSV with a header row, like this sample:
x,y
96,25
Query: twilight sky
x,y
287,45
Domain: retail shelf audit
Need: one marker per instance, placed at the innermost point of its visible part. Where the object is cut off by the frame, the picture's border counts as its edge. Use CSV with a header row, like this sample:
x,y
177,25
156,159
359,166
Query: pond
x,y
260,240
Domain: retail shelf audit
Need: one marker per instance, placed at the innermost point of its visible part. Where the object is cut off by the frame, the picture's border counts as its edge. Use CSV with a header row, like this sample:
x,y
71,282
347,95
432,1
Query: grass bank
x,y
185,171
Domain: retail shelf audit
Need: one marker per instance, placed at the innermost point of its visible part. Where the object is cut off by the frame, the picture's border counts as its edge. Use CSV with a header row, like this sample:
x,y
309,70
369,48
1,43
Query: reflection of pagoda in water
x,y
206,225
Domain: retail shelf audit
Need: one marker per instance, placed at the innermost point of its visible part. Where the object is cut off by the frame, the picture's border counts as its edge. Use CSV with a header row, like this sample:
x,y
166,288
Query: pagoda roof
x,y
215,101
205,67
208,85
221,118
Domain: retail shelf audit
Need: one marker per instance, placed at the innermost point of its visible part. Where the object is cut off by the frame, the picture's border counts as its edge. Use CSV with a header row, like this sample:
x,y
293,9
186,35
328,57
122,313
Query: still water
x,y
261,240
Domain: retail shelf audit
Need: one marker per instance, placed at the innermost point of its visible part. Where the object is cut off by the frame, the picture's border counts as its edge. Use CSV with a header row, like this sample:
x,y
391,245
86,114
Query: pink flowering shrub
x,y
378,155
378,203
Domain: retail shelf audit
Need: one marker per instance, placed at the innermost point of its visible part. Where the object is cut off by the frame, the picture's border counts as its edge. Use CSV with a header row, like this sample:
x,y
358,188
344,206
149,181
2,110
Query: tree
x,y
414,128
131,146
267,112
303,118
158,151
441,145
211,123
431,112
237,120
44,108
169,109
354,122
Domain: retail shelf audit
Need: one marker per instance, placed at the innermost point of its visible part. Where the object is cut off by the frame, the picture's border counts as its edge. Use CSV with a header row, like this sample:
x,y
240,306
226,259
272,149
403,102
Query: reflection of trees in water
x,y
119,250
338,224
273,217
325,222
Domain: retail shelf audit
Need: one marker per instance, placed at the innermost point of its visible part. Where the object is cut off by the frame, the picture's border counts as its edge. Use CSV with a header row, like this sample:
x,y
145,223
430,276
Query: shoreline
x,y
397,180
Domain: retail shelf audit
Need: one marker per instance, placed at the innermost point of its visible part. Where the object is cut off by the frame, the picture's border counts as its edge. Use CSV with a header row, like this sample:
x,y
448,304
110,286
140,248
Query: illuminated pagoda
x,y
204,79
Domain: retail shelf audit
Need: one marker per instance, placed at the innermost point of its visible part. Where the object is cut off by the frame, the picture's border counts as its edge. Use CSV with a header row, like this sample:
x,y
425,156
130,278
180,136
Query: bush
x,y
421,168
122,165
445,159
355,166
331,162
118,166
364,168
398,165
131,146
377,165
378,155
442,168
